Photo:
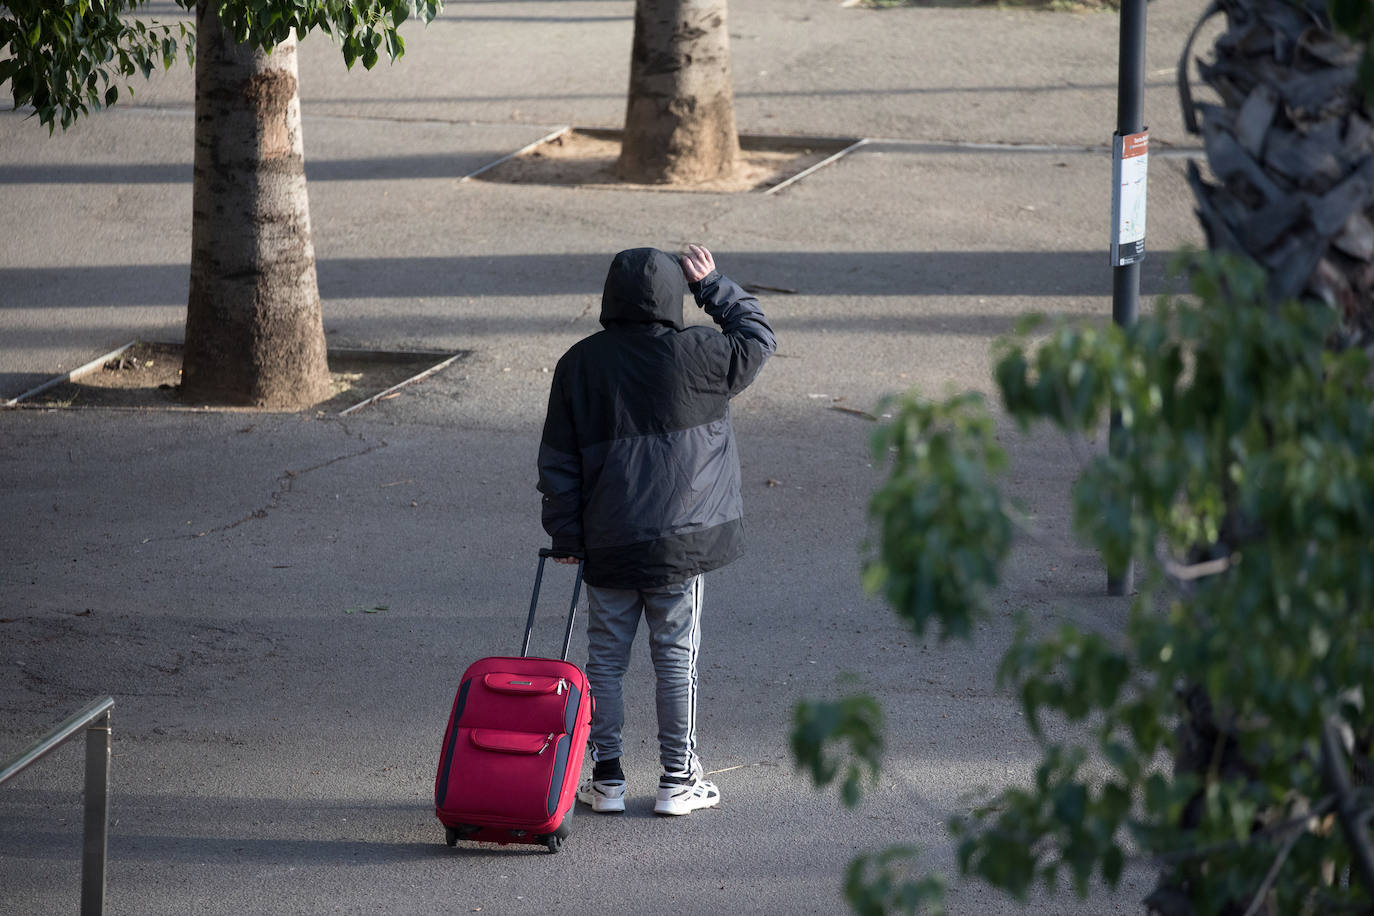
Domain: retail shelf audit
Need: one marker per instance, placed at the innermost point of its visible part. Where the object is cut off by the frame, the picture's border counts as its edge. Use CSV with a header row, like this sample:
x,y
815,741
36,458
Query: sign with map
x,y
1130,158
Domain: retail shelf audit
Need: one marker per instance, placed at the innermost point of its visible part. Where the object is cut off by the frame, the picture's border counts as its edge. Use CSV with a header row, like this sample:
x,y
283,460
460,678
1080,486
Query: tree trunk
x,y
254,330
680,117
1290,147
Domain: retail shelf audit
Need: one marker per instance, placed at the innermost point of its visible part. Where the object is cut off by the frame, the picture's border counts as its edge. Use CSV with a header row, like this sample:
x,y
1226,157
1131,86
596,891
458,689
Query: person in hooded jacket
x,y
640,477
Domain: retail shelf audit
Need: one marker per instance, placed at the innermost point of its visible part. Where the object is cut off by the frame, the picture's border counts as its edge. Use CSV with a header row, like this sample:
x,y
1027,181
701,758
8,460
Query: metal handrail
x,y
95,719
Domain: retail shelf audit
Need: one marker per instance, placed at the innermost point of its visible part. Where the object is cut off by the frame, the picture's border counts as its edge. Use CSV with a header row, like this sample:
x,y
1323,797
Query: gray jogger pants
x,y
673,613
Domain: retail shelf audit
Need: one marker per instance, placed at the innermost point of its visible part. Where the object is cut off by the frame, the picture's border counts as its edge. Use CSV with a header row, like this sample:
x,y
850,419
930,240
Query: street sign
x,y
1130,158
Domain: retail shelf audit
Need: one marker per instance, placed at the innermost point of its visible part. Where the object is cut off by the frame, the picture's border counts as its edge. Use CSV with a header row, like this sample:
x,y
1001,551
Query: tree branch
x,y
1347,809
1263,890
1198,570
1293,824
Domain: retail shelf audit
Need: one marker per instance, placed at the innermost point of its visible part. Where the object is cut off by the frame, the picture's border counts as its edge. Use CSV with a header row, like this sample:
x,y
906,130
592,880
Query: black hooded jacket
x,y
637,464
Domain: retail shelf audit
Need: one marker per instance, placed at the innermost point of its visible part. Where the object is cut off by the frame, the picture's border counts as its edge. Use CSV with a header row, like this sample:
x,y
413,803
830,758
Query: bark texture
x,y
254,328
680,117
1291,147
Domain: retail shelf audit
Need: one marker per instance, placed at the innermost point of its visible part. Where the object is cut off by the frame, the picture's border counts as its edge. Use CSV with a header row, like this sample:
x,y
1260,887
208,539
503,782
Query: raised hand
x,y
697,262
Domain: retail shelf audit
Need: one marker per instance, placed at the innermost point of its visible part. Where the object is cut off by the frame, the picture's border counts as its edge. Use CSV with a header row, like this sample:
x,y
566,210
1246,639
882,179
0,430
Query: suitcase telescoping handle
x,y
544,554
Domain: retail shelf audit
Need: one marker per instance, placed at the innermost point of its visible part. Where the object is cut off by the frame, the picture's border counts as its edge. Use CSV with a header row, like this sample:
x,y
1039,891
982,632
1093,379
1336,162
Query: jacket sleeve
x,y
741,320
560,473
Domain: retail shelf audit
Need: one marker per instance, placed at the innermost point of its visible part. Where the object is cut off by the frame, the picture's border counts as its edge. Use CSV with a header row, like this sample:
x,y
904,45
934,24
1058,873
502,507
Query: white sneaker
x,y
606,796
685,794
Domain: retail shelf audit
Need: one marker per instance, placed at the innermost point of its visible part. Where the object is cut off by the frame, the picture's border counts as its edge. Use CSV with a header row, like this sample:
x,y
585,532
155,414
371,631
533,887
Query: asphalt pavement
x,y
281,604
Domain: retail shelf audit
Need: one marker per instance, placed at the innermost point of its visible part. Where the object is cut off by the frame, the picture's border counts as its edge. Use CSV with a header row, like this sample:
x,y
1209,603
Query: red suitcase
x,y
512,754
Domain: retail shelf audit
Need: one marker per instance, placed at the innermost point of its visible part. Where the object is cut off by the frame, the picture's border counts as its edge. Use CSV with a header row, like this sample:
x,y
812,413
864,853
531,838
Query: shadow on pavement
x,y
447,165
812,273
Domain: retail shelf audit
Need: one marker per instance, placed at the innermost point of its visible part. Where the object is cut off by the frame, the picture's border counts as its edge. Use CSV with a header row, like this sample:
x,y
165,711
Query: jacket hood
x,y
643,286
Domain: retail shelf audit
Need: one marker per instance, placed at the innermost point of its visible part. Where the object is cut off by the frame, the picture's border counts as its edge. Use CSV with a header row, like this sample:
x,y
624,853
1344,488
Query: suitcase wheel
x,y
554,841
453,834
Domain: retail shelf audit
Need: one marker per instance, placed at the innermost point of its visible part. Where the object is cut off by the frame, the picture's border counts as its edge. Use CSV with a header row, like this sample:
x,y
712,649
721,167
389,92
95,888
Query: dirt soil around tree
x,y
148,375
587,159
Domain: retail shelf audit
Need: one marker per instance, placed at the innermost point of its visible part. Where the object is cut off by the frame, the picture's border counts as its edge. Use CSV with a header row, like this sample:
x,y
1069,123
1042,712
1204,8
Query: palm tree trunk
x,y
254,330
1290,147
680,117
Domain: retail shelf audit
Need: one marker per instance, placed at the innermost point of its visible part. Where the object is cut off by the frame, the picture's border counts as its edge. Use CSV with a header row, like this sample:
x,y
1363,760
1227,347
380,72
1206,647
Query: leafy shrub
x,y
1245,495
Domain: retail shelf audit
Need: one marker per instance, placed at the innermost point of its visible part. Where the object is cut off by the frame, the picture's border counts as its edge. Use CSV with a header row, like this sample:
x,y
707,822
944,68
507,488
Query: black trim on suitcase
x,y
560,767
441,792
570,711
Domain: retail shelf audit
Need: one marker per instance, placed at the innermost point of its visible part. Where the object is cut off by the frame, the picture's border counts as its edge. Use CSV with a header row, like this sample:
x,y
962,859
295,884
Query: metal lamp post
x,y
1129,158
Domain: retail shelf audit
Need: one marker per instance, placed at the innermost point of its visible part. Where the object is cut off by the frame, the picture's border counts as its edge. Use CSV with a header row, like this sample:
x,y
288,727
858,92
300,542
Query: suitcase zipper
x,y
562,683
547,742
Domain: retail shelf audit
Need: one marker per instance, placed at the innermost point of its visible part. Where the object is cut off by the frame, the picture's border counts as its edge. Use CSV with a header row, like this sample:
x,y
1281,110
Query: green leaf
x,y
855,721
1070,804
886,883
1113,863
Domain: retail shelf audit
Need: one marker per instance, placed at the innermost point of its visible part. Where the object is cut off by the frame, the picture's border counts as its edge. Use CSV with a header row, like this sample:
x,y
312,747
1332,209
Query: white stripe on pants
x,y
673,613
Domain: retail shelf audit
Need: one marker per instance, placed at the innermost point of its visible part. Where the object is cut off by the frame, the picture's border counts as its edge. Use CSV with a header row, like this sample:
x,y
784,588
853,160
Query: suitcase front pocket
x,y
524,684
506,778
508,742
